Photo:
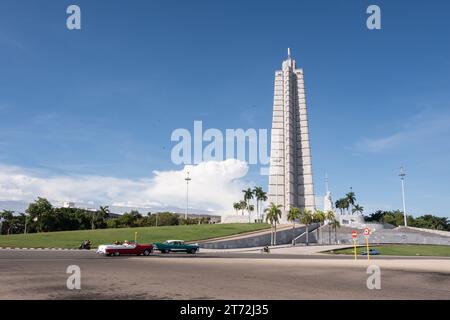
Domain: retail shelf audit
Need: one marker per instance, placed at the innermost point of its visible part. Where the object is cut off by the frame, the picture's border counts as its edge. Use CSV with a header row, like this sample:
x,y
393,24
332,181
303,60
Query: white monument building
x,y
290,180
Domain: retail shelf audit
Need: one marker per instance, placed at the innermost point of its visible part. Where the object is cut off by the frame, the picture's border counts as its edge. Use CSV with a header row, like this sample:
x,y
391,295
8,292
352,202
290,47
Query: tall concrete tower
x,y
290,180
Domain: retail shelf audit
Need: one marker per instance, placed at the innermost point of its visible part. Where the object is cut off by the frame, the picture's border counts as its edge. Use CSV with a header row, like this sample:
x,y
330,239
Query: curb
x,y
36,249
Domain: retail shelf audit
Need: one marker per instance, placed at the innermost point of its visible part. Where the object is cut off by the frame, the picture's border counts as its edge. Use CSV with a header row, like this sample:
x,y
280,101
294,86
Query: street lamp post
x,y
187,195
402,178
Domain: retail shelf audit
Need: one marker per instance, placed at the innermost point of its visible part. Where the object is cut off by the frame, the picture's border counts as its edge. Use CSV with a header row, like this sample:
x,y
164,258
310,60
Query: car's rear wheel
x,y
192,251
146,253
116,253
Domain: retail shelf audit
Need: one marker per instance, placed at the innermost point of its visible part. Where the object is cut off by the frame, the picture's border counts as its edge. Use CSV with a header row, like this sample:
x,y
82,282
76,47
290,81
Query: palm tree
x,y
250,209
341,204
306,218
248,195
260,196
242,206
293,214
318,216
330,216
273,214
351,199
6,220
358,208
99,215
236,206
335,224
338,205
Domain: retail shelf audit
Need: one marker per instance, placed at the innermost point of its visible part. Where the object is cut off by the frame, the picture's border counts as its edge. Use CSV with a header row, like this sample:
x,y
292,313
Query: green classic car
x,y
175,246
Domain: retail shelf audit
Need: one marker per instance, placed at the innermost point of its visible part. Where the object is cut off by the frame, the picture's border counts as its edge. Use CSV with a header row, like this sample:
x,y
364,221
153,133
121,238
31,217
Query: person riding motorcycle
x,y
86,245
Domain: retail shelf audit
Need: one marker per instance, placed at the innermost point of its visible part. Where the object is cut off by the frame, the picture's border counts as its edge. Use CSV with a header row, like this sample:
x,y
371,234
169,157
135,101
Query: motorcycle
x,y
265,249
85,245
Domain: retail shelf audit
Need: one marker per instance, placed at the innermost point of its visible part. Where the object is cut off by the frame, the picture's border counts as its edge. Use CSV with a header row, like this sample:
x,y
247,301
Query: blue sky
x,y
103,101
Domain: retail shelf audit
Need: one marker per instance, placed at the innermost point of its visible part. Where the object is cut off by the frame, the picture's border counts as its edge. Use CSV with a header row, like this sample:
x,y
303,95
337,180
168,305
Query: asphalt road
x,y
42,275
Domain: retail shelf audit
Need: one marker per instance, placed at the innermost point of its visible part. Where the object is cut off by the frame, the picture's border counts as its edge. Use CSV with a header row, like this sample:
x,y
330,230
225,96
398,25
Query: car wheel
x,y
192,251
146,253
116,253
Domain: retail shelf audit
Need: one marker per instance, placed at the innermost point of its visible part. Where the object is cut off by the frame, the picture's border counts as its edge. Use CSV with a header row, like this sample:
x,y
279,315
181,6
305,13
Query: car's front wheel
x,y
146,253
192,251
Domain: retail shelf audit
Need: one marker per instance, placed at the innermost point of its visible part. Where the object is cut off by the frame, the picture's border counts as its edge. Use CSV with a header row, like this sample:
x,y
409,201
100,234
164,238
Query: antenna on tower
x,y
326,182
289,52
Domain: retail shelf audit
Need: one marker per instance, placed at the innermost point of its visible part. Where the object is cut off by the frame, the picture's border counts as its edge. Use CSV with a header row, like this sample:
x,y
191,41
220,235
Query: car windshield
x,y
174,242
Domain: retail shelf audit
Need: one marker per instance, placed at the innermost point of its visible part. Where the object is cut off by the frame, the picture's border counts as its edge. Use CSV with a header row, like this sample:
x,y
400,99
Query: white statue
x,y
328,202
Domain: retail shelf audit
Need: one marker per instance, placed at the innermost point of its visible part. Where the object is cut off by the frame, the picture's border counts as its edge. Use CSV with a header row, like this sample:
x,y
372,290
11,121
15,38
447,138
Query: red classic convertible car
x,y
125,249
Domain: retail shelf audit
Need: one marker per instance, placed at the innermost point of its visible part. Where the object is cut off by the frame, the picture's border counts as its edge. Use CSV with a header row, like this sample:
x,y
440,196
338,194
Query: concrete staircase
x,y
285,235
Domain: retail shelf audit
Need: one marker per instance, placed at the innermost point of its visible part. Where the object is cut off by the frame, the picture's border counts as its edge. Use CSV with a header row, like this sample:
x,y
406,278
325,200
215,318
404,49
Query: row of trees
x,y
41,216
348,204
258,194
306,217
396,218
135,219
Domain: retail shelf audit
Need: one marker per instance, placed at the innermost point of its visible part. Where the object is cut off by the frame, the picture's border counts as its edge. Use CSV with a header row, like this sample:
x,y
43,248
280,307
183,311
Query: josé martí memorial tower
x,y
290,179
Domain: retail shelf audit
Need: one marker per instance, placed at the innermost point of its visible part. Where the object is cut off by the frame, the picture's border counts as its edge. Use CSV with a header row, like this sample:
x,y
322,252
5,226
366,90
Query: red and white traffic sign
x,y
366,232
354,234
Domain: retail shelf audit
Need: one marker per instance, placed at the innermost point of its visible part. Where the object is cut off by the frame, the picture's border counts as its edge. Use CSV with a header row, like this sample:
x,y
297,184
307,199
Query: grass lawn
x,y
72,239
403,250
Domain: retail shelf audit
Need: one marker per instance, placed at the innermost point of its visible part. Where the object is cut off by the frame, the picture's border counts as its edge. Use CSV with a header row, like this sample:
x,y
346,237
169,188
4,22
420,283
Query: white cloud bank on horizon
x,y
214,187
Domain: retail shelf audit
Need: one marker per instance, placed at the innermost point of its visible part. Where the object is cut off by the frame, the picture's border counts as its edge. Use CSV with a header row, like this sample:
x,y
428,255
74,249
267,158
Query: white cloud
x,y
214,187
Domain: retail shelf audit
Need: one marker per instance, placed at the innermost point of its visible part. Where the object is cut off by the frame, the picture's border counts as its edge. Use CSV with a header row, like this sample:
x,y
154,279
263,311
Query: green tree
x,y
330,216
250,209
335,224
429,221
236,207
8,221
358,208
260,196
99,217
273,215
292,216
377,216
42,214
248,195
351,199
319,217
242,206
341,204
306,218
